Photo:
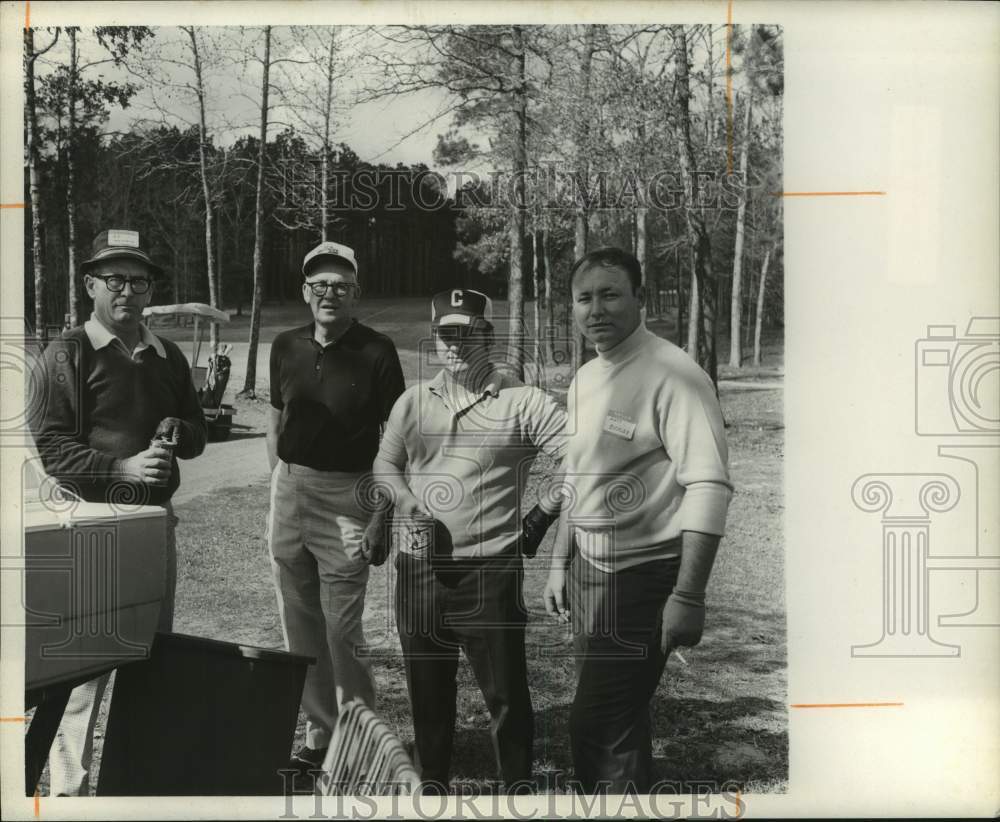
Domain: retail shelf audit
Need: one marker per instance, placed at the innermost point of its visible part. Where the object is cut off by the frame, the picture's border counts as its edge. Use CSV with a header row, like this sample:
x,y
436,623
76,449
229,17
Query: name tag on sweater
x,y
619,424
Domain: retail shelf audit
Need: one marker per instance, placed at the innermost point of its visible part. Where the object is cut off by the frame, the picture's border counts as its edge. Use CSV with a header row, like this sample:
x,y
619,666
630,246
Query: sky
x,y
390,130
398,129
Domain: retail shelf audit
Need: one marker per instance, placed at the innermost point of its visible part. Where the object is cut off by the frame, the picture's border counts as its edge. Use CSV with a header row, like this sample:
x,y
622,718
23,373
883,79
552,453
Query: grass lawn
x,y
721,719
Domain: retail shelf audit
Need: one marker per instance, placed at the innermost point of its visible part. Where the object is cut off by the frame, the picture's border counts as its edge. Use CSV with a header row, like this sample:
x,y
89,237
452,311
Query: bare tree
x,y
31,160
484,72
211,264
769,254
92,94
536,288
736,302
310,92
760,302
581,226
515,282
698,238
547,353
179,74
250,383
74,68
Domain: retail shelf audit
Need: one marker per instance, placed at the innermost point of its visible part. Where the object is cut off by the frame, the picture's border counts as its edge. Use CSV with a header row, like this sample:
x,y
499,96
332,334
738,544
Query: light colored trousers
x,y
314,532
73,746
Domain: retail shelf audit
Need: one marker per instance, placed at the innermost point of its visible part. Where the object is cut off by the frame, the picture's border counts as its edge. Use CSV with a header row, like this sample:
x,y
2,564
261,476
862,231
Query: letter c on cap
x,y
456,298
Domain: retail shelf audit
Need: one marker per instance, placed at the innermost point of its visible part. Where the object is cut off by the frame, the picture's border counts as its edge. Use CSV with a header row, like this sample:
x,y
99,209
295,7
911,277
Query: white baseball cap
x,y
329,249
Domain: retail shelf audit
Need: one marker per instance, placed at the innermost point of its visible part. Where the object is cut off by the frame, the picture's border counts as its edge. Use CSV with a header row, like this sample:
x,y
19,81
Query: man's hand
x,y
408,507
170,428
375,542
555,597
533,527
150,467
683,620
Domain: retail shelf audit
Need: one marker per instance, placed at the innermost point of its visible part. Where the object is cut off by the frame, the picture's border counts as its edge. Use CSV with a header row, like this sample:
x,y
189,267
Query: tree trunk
x,y
536,310
218,260
697,233
581,226
73,300
175,275
324,172
31,160
751,299
681,295
550,330
641,250
250,384
736,301
325,160
760,304
710,108
694,310
210,262
515,282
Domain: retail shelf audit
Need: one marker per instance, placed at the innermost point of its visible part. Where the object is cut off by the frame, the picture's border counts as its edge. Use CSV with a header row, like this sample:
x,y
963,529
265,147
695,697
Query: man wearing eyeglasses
x,y
468,438
333,383
110,386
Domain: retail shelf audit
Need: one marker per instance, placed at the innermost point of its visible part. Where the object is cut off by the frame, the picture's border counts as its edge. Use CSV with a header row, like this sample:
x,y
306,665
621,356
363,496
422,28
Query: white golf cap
x,y
329,249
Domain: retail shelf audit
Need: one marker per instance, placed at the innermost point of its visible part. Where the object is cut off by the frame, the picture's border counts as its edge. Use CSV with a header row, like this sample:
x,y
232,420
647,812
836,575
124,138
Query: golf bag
x,y
217,378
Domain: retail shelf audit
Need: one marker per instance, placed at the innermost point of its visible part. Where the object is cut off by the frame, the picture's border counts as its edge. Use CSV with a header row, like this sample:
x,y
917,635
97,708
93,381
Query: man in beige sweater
x,y
648,488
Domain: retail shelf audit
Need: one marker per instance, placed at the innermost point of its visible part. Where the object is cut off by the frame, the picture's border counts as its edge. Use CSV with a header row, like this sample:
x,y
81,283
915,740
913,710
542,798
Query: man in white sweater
x,y
647,484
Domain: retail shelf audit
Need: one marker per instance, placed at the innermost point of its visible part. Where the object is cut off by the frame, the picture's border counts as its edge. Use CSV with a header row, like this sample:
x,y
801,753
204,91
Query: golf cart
x,y
209,381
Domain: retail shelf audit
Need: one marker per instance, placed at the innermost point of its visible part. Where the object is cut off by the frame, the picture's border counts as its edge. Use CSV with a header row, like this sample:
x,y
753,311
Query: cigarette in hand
x,y
680,656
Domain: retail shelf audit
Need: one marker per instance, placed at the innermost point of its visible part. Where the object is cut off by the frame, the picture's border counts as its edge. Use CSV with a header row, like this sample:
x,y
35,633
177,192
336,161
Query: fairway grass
x,y
720,721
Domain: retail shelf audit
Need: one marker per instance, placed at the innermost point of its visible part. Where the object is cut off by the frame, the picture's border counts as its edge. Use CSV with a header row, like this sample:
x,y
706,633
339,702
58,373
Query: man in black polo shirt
x,y
333,383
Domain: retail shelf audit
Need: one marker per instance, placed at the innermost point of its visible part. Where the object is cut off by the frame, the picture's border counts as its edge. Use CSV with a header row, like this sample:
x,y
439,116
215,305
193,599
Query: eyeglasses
x,y
113,282
452,334
340,289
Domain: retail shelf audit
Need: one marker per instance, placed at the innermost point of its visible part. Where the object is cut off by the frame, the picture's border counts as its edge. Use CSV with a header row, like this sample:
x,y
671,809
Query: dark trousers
x,y
477,607
616,638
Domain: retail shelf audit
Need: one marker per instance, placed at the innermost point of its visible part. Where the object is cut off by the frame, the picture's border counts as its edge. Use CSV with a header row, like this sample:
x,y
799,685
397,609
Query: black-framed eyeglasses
x,y
452,334
340,289
116,283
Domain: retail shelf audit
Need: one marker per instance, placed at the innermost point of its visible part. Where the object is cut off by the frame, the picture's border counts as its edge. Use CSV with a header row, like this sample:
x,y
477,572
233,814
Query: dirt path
x,y
238,461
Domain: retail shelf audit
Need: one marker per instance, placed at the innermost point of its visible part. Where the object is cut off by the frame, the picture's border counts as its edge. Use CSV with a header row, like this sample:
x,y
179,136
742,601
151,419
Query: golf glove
x,y
533,527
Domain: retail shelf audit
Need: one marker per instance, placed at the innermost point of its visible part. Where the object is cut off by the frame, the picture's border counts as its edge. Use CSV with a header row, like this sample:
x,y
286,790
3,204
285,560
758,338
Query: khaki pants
x,y
73,746
315,528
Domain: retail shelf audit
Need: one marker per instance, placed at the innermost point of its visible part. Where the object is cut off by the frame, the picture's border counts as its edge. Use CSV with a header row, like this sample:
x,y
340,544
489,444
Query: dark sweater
x,y
95,408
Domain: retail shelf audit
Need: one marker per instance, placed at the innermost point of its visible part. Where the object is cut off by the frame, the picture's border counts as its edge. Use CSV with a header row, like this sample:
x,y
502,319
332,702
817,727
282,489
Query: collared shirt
x,y
333,398
100,335
469,454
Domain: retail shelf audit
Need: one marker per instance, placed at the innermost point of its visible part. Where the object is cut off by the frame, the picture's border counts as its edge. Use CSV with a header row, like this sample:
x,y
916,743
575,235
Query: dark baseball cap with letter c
x,y
460,306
